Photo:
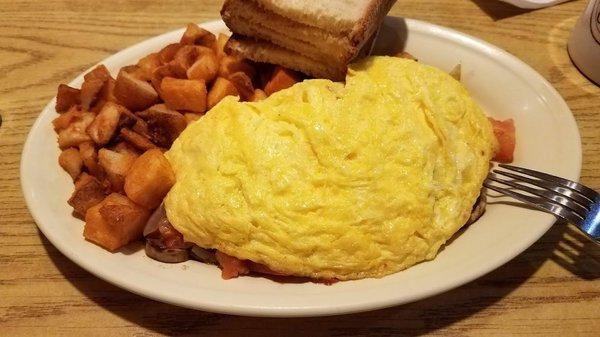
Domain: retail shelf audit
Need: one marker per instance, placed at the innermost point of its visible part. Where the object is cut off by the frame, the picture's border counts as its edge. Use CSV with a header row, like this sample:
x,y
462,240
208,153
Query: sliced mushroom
x,y
478,209
203,255
167,255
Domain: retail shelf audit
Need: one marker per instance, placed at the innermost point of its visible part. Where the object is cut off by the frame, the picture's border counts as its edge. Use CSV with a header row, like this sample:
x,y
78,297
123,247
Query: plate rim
x,y
300,311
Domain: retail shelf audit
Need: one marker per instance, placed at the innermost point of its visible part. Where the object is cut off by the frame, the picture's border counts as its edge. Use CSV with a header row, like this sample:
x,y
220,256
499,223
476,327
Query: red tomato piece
x,y
231,267
505,133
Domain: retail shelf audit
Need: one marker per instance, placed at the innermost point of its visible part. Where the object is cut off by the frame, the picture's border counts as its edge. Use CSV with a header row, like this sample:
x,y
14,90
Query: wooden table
x,y
552,289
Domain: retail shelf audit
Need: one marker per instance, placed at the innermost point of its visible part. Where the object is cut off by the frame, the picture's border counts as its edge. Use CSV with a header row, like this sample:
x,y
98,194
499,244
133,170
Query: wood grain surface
x,y
552,289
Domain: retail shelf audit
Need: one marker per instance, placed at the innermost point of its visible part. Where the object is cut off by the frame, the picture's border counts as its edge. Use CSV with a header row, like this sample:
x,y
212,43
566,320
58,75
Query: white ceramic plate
x,y
547,139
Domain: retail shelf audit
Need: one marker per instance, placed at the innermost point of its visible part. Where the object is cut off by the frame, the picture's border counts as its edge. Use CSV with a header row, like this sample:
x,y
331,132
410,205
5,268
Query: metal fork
x,y
564,198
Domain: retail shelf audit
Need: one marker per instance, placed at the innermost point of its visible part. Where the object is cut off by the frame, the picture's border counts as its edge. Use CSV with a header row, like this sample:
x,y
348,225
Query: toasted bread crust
x,y
369,23
310,49
264,51
248,18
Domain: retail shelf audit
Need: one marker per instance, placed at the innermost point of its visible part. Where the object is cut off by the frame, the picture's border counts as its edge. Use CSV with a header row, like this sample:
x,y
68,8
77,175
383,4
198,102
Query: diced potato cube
x,y
187,95
89,92
205,68
147,65
89,156
191,117
100,72
70,161
66,97
75,133
220,45
116,165
185,58
167,54
149,179
92,85
164,124
65,119
282,78
127,149
158,75
232,64
198,36
115,222
258,95
88,192
133,93
137,140
243,84
104,126
221,88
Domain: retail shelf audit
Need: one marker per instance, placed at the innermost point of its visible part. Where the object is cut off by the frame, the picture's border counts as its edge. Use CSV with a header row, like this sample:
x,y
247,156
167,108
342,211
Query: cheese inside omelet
x,y
328,180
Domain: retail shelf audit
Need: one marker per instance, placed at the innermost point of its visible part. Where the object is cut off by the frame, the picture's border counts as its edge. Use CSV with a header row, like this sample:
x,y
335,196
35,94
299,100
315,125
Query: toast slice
x,y
317,38
264,51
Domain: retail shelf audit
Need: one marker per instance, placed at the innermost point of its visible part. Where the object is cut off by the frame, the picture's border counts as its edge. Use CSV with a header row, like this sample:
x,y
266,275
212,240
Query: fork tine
x,y
586,191
551,196
567,192
547,206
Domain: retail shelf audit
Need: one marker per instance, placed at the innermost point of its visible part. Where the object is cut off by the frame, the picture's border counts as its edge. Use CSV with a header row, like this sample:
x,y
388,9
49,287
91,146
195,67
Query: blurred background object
x,y
534,4
584,44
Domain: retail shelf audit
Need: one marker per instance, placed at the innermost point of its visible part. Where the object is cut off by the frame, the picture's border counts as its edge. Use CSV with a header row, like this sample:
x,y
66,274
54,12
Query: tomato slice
x,y
505,133
231,267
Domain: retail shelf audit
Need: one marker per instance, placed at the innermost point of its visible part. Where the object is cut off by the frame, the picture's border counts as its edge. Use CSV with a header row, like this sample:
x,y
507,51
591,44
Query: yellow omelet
x,y
333,180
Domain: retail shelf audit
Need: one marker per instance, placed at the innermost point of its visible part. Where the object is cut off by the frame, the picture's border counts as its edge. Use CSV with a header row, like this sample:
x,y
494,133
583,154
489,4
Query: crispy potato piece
x,y
149,179
106,94
133,93
141,127
115,165
66,97
232,64
104,126
92,85
205,68
63,120
70,161
137,140
191,117
167,54
221,88
100,72
115,222
127,149
282,78
127,119
75,133
136,72
257,95
220,45
89,156
158,75
164,124
89,92
199,36
185,58
88,192
187,95
182,60
243,84
148,64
